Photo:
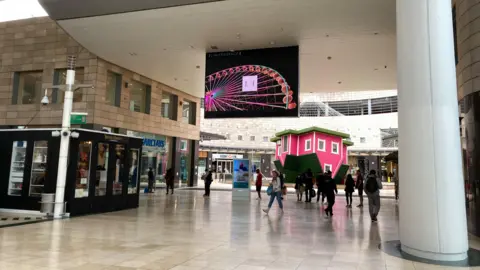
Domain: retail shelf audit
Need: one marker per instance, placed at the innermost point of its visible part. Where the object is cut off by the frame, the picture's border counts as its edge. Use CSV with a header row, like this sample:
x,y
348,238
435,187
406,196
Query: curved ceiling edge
x,y
74,9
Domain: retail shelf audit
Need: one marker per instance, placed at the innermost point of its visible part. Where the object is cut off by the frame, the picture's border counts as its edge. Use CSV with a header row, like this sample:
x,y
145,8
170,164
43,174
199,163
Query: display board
x,y
241,179
252,83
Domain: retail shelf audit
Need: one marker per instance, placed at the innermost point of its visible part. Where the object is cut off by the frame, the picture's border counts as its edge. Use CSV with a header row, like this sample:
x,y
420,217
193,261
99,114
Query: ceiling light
x,y
213,47
376,33
232,50
198,67
272,42
340,82
329,58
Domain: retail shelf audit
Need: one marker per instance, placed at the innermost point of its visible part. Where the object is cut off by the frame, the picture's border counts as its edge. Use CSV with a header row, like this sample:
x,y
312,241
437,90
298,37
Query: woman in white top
x,y
276,192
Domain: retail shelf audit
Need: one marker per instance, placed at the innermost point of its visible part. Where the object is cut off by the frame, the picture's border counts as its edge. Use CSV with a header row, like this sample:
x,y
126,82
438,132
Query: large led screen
x,y
253,83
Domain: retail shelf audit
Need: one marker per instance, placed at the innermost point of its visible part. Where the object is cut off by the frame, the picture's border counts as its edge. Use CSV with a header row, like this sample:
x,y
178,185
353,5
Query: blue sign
x,y
153,143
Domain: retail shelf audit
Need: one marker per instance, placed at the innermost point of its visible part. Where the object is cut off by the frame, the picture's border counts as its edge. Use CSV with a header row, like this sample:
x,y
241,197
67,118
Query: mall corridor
x,y
186,231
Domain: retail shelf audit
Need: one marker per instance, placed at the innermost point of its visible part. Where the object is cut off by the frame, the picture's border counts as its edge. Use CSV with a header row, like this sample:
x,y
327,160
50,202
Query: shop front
x,y
183,162
156,155
102,174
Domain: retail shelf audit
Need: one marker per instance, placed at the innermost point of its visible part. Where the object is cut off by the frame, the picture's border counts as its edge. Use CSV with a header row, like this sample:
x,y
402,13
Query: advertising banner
x,y
241,174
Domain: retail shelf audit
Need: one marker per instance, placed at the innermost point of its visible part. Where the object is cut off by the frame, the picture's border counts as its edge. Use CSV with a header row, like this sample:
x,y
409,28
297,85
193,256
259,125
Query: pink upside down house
x,y
316,148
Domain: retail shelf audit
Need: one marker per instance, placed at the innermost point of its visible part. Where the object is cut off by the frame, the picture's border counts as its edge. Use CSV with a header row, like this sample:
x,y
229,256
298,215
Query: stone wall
x,y
39,44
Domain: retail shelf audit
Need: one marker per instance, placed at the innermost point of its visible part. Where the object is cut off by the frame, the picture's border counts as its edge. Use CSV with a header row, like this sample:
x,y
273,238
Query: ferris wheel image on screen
x,y
248,88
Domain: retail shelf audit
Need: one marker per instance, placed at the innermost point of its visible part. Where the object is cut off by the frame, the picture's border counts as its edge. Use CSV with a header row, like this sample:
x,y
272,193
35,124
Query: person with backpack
x,y
299,187
372,188
330,189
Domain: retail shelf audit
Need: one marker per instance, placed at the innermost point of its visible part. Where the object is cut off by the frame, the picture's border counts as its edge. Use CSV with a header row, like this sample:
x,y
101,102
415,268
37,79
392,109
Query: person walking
x,y
359,186
299,187
208,182
330,189
320,187
372,188
349,188
258,184
151,179
308,185
169,179
276,187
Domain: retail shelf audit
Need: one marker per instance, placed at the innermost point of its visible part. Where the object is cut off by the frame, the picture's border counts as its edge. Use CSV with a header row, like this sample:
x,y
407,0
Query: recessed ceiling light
x,y
213,47
232,50
272,42
175,79
376,33
197,67
191,47
329,58
340,82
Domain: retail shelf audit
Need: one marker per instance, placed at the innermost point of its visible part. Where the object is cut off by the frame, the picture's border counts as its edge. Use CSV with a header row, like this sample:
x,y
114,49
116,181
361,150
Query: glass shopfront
x,y
184,154
156,154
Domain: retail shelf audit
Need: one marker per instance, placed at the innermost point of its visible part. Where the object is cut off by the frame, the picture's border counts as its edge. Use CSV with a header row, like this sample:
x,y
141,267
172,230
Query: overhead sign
x,y
226,156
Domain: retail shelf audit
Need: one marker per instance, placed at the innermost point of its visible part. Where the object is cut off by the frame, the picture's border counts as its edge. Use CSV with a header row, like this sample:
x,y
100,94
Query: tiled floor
x,y
188,232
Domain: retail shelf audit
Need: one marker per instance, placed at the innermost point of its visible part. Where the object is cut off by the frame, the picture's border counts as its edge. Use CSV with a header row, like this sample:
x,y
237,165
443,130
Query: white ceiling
x,y
170,43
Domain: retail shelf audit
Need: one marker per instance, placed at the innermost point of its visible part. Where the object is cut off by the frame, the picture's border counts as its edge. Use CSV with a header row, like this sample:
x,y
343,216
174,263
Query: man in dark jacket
x,y
151,179
359,187
320,186
208,182
330,189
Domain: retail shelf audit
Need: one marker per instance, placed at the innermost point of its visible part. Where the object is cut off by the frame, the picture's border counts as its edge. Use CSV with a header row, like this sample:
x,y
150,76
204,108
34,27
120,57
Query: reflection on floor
x,y
186,231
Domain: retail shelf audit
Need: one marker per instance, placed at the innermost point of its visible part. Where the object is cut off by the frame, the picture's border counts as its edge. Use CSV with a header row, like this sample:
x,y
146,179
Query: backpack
x,y
371,185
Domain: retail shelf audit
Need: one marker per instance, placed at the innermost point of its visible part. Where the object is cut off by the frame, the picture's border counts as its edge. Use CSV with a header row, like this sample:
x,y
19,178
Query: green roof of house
x,y
347,142
311,129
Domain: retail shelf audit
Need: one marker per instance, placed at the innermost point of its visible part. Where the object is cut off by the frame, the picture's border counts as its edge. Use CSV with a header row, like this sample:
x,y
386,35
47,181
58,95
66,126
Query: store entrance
x,y
224,171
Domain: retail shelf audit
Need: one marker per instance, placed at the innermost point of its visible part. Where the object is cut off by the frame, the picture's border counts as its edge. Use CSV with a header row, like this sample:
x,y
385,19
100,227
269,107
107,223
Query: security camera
x,y
45,101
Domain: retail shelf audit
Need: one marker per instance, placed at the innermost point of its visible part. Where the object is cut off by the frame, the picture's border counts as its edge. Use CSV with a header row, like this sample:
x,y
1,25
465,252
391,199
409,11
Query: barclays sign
x,y
153,143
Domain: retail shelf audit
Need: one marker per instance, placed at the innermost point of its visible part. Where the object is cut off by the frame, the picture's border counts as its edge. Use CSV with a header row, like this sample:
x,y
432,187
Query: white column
x,y
432,202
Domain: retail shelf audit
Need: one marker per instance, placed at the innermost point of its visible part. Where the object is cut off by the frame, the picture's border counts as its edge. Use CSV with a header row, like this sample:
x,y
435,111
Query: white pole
x,y
65,140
